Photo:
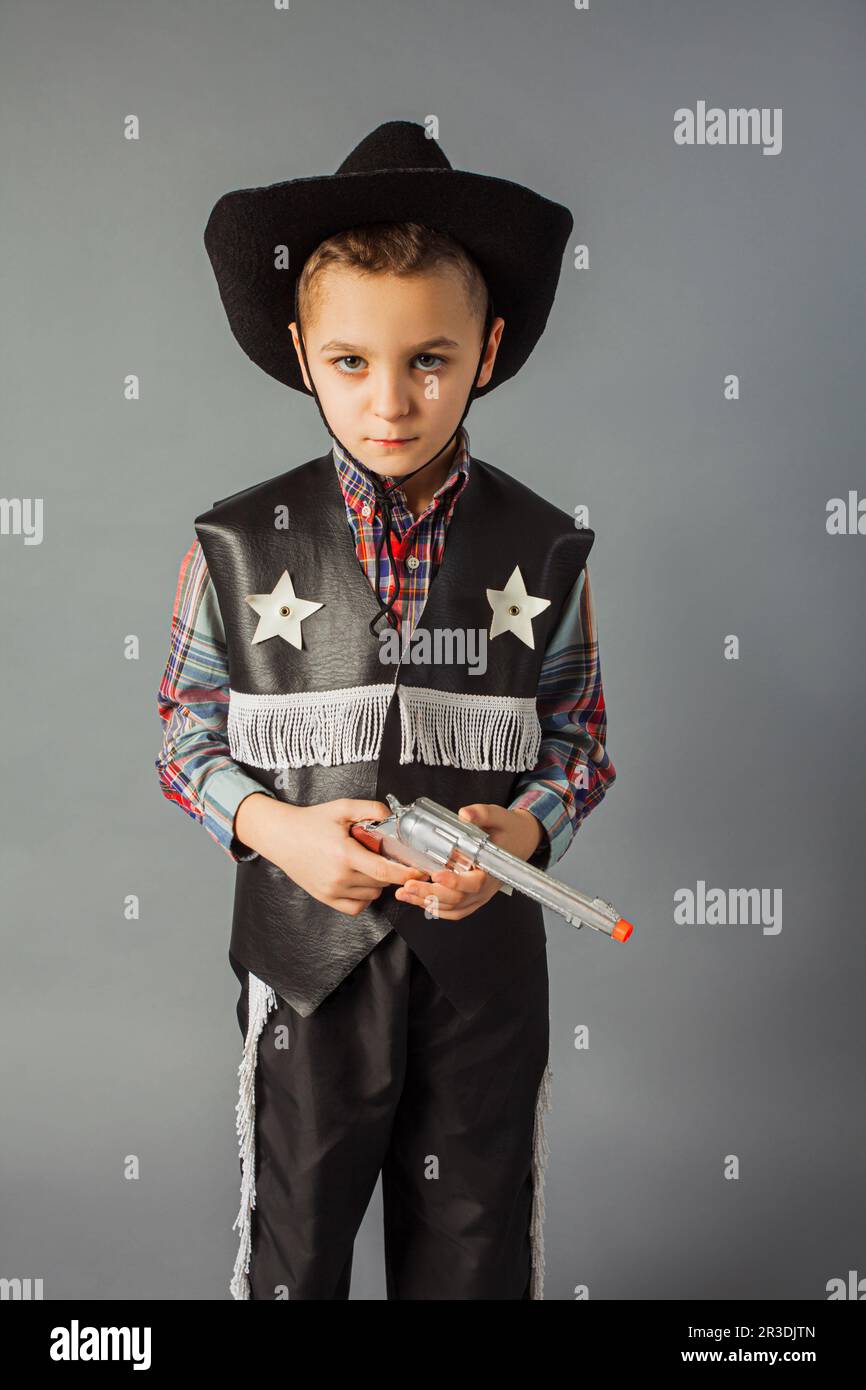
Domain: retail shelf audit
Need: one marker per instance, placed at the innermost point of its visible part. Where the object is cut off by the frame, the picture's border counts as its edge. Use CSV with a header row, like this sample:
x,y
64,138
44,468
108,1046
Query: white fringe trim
x,y
438,727
261,1000
469,731
540,1155
322,727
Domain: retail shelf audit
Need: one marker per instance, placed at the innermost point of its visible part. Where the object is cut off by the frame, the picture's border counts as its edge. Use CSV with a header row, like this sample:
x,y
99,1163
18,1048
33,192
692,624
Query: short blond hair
x,y
403,248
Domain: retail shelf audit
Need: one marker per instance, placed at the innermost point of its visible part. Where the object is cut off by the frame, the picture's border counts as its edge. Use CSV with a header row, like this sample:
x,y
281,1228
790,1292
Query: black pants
x,y
387,1076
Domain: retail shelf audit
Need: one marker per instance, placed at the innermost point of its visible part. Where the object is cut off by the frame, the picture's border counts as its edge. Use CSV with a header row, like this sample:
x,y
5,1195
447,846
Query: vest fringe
x,y
323,727
540,1155
476,732
261,1000
438,727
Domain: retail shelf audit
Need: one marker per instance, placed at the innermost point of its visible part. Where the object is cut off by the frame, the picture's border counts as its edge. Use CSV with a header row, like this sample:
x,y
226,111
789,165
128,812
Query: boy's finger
x,y
420,893
447,912
376,866
448,897
470,882
352,809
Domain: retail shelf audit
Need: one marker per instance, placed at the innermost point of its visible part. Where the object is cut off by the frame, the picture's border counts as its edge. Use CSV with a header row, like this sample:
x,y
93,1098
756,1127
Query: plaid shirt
x,y
195,766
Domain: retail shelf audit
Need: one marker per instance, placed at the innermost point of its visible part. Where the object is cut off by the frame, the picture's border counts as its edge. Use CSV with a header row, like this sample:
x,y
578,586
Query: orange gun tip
x,y
623,930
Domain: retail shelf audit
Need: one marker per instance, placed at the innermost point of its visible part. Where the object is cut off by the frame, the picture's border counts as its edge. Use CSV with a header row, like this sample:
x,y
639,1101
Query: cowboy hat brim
x,y
516,236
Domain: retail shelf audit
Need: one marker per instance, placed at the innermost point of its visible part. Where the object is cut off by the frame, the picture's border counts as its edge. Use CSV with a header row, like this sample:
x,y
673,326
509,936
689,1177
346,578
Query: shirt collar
x,y
359,492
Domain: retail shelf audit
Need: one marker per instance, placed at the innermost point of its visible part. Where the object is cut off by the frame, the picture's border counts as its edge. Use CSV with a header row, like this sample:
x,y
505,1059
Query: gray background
x,y
120,1037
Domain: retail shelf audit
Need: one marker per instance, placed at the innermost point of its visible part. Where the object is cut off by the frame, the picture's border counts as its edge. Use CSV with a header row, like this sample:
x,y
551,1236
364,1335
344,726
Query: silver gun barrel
x,y
439,833
574,906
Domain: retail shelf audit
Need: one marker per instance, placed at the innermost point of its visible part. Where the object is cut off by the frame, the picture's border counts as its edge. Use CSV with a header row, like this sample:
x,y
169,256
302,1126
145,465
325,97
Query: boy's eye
x,y
353,358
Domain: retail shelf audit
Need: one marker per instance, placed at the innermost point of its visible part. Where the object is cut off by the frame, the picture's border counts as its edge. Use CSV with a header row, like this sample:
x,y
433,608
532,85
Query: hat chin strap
x,y
382,492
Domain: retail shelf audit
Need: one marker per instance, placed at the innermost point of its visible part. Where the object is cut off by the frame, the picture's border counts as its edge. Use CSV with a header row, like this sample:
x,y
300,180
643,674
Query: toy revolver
x,y
428,836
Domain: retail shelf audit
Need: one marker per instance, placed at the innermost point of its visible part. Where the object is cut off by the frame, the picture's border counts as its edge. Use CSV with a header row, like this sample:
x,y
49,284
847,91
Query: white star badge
x,y
514,609
281,612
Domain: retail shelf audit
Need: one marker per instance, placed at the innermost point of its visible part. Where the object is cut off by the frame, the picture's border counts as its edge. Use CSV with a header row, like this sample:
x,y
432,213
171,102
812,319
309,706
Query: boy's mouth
x,y
393,443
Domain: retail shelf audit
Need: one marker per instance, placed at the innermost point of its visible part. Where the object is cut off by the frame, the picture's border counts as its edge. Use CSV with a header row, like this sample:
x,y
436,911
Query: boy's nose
x,y
389,399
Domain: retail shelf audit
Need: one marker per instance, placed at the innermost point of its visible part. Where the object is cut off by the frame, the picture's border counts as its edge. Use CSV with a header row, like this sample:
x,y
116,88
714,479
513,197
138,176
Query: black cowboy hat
x,y
396,174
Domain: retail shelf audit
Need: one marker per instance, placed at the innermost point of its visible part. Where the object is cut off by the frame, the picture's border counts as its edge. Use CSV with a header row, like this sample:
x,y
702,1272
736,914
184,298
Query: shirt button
x,y
366,509
413,562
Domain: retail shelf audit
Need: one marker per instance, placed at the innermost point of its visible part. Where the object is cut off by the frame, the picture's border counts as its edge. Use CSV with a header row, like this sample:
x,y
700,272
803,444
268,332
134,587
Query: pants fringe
x,y
540,1155
261,1000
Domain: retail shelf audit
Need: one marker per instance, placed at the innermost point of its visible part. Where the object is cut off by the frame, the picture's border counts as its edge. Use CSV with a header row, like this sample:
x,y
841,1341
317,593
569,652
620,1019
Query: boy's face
x,y
392,358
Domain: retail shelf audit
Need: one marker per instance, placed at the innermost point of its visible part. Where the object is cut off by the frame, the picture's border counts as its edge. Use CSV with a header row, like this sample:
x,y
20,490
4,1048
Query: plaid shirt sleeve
x,y
573,771
194,765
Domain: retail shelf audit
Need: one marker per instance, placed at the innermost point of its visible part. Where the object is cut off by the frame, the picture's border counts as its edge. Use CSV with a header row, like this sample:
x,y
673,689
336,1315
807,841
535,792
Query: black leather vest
x,y
331,720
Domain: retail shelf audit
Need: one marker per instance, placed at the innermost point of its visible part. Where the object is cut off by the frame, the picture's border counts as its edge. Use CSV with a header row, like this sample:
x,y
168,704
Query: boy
x,y
391,1024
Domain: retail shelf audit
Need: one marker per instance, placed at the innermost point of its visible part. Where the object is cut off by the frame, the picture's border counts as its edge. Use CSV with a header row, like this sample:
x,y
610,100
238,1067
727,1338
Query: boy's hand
x,y
459,895
312,845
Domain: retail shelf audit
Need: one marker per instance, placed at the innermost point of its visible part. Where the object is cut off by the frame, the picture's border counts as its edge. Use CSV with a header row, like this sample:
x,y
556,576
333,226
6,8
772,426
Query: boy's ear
x,y
494,338
293,328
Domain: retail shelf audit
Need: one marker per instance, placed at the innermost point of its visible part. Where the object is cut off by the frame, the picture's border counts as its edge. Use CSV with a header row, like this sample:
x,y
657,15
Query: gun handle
x,y
392,849
368,838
